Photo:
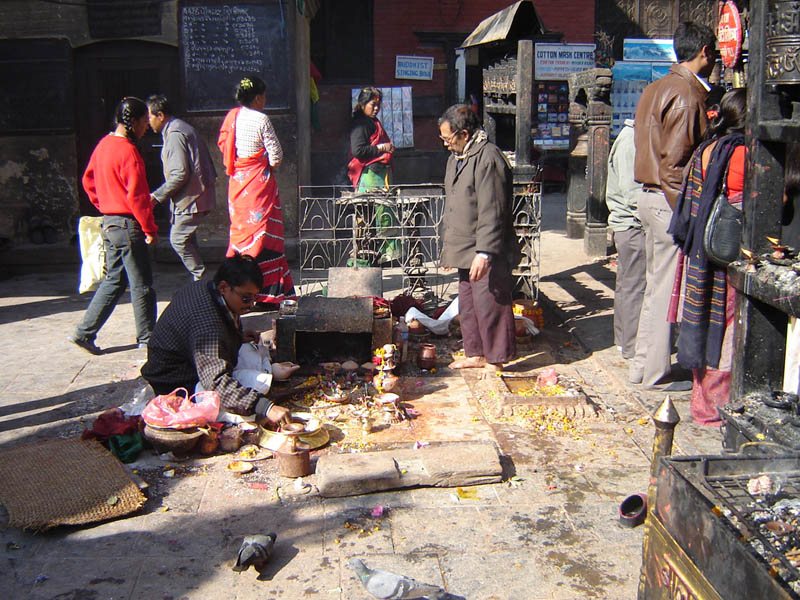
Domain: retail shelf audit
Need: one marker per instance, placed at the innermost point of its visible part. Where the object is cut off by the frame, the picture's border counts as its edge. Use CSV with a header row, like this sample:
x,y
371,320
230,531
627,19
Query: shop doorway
x,y
105,73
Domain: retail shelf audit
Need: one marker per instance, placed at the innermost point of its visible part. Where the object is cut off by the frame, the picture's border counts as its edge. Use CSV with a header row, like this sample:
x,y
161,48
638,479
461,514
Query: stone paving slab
x,y
552,533
448,465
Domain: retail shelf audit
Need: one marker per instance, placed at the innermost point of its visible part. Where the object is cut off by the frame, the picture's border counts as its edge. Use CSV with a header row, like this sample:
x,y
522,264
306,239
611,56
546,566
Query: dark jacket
x,y
670,122
477,214
189,172
362,129
196,339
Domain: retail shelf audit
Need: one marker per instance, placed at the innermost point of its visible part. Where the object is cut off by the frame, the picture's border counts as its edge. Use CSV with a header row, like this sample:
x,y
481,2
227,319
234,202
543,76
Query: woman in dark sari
x,y
705,343
251,152
370,166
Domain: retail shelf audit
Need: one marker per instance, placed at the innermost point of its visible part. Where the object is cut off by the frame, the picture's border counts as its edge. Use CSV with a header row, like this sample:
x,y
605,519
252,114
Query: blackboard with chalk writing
x,y
220,43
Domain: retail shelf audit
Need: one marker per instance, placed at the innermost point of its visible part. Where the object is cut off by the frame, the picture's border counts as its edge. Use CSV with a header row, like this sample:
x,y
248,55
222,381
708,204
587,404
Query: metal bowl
x,y
172,440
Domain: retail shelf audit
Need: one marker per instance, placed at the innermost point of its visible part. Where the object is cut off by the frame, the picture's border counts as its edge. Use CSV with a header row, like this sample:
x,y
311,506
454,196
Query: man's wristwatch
x,y
483,255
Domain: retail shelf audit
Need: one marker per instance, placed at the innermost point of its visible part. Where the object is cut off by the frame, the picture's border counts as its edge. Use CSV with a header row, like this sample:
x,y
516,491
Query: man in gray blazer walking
x,y
189,177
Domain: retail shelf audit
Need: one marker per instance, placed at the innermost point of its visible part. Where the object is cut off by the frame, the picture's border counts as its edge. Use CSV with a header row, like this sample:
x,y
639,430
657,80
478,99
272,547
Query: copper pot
x,y
387,380
426,356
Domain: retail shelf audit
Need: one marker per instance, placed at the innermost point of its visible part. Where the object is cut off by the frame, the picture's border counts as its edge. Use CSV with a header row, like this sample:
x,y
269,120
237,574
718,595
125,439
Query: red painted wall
x,y
395,23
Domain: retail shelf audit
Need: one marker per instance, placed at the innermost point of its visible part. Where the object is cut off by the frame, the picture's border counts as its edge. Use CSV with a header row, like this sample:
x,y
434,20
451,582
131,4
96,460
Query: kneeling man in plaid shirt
x,y
198,336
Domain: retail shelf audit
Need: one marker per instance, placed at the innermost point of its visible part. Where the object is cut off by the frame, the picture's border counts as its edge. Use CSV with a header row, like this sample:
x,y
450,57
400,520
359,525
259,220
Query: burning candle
x,y
751,259
778,251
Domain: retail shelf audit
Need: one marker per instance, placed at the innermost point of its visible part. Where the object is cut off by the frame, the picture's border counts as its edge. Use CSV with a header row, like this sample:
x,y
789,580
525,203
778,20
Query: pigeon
x,y
389,586
255,551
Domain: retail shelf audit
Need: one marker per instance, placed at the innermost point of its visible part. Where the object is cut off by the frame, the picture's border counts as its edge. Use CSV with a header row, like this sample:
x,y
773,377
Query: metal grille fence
x,y
399,227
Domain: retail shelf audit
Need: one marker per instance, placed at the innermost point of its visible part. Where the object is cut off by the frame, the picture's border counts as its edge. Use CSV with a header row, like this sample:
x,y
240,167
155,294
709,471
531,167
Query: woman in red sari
x,y
251,152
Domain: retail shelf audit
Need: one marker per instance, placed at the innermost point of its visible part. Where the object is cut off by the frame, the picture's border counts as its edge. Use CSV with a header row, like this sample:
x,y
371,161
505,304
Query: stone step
x,y
445,465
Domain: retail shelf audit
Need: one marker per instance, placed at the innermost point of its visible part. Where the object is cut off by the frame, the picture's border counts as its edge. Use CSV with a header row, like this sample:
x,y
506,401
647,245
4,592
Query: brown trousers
x,y
484,309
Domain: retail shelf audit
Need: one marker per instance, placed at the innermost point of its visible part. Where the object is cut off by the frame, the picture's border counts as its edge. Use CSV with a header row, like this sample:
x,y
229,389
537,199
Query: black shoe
x,y
671,386
678,386
90,347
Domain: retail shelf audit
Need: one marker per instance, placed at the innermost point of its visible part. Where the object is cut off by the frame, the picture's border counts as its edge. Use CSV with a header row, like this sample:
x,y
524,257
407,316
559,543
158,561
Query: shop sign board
x,y
413,67
729,34
556,61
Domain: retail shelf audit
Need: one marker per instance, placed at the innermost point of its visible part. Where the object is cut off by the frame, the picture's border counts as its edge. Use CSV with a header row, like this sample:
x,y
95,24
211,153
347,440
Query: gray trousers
x,y
651,362
629,291
183,238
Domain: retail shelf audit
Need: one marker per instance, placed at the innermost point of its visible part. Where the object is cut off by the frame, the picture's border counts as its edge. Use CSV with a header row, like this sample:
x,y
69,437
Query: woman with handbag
x,y
715,175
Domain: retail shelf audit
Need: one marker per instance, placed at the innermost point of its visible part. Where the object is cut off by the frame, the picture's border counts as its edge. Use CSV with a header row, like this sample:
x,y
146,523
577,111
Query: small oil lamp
x,y
751,259
778,251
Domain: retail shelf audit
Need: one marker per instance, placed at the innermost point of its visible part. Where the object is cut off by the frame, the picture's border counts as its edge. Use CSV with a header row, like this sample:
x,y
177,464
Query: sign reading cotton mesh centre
x,y
553,62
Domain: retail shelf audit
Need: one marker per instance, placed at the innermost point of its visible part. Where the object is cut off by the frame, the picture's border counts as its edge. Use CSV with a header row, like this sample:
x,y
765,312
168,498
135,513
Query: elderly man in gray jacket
x,y
622,192
189,177
478,239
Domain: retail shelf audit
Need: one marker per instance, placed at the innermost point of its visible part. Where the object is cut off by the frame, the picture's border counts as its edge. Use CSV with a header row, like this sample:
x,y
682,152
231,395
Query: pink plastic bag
x,y
181,412
547,377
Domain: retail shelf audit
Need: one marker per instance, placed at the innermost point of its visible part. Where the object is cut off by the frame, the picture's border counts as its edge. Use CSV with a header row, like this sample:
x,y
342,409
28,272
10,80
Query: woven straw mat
x,y
64,482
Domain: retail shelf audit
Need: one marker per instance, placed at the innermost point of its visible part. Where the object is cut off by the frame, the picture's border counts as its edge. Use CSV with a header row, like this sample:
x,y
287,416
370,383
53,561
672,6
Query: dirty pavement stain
x,y
588,576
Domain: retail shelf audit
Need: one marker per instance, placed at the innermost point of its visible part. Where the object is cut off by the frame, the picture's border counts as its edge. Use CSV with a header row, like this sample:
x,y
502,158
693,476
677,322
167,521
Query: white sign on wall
x,y
413,67
556,61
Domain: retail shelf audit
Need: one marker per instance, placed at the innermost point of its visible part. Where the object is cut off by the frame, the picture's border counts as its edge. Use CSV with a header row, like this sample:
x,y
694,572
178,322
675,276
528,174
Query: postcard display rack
x,y
644,61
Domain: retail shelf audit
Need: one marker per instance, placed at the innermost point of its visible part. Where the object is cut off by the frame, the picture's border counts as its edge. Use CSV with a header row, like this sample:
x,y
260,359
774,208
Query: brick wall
x,y
394,27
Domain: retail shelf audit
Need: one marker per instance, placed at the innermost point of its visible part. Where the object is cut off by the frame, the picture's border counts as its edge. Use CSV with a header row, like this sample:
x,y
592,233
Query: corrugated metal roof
x,y
521,16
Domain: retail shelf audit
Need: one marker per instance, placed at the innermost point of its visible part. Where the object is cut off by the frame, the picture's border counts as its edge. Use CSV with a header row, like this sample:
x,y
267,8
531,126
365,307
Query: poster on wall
x,y
396,114
648,50
556,61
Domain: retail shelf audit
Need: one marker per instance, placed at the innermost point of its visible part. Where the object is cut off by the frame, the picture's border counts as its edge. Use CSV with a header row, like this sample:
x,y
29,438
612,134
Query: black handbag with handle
x,y
722,236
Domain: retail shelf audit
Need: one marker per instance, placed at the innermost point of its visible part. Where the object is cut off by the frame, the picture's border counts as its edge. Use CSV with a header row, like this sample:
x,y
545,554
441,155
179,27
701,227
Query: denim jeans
x,y
127,261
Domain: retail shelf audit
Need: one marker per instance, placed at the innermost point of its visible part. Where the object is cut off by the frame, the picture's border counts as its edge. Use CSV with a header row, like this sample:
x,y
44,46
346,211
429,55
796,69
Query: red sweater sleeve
x,y
736,170
135,178
89,183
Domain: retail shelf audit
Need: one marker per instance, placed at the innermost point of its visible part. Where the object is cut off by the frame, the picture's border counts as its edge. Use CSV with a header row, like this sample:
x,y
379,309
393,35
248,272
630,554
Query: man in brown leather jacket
x,y
670,122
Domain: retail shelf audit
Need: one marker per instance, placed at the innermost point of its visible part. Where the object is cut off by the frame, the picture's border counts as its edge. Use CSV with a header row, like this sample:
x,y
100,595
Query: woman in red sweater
x,y
116,184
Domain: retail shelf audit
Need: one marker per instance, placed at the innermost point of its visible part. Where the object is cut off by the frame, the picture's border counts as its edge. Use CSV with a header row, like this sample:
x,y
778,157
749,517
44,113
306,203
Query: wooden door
x,y
105,73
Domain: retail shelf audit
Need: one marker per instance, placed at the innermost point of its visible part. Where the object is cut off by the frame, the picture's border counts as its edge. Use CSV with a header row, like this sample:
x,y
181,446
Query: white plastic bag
x,y
438,326
253,367
93,253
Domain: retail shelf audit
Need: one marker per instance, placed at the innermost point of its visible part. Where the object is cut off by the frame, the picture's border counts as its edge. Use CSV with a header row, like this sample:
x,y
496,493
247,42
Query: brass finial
x,y
666,413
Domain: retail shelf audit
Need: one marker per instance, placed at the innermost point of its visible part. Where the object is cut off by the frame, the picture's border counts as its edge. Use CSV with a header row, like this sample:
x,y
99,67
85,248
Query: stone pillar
x,y
525,102
598,117
577,185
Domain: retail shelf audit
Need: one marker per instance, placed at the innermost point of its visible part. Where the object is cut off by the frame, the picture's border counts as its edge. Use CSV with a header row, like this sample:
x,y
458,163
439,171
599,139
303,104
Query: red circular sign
x,y
729,34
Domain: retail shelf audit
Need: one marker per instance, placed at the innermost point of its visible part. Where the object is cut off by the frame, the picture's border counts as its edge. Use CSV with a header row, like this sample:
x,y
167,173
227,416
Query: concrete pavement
x,y
550,531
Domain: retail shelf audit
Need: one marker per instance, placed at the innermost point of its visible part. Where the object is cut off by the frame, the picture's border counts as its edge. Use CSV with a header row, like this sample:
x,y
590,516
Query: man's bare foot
x,y
469,362
494,367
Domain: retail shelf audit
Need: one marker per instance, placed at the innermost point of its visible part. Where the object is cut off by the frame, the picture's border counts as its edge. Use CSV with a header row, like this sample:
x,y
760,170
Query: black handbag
x,y
722,236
